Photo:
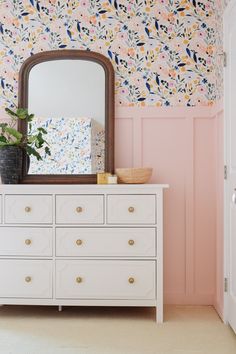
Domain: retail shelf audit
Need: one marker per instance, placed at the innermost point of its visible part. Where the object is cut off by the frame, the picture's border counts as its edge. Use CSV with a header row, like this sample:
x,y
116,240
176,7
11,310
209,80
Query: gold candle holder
x,y
102,177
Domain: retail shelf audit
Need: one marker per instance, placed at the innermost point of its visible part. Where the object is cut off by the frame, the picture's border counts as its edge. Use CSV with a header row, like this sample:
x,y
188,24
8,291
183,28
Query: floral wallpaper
x,y
163,51
220,6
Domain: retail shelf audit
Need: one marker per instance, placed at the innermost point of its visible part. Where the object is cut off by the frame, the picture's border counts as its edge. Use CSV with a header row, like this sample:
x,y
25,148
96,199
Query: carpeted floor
x,y
43,330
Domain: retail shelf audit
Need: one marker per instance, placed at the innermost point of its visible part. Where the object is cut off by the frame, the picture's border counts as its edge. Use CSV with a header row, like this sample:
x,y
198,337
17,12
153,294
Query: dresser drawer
x,y
105,242
105,279
22,241
80,209
26,279
131,209
28,209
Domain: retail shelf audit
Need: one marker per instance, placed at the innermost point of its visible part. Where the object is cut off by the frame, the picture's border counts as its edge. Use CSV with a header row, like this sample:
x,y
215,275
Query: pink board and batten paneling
x,y
183,147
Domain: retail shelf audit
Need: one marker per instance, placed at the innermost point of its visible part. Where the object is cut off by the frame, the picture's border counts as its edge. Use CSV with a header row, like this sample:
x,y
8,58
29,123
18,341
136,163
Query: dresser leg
x,y
159,315
60,308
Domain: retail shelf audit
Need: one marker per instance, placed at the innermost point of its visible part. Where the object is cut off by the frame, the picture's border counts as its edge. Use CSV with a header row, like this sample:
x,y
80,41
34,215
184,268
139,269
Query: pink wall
x,y
182,145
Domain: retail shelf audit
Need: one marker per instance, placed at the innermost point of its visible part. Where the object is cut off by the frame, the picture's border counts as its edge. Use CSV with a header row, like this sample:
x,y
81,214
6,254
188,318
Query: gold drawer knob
x,y
28,242
79,280
28,279
131,280
79,209
131,242
79,242
131,209
27,209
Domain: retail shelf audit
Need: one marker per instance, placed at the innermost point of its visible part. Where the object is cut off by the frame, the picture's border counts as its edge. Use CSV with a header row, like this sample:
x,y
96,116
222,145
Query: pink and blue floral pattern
x,y
72,145
163,52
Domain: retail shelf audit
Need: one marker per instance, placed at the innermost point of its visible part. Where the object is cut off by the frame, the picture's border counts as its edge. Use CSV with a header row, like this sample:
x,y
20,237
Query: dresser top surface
x,y
81,188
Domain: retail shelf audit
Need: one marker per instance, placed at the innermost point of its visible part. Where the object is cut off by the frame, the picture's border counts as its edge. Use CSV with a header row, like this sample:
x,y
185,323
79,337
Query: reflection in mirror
x,y
68,100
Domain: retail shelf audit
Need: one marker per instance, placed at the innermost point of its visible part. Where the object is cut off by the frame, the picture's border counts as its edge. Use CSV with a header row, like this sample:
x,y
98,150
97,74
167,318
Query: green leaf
x,y
31,151
38,144
47,151
22,113
40,141
3,139
8,143
42,130
30,117
14,133
32,138
11,113
30,128
3,125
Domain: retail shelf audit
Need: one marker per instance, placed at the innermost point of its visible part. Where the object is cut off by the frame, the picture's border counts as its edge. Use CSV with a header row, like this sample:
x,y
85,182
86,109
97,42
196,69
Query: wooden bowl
x,y
133,175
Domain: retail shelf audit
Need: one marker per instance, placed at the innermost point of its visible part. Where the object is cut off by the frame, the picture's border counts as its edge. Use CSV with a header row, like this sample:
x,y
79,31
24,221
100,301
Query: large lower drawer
x,y
25,241
83,279
28,209
108,242
26,278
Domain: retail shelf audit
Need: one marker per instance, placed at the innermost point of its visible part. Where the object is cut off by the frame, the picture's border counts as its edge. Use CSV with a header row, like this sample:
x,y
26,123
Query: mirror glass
x,y
68,100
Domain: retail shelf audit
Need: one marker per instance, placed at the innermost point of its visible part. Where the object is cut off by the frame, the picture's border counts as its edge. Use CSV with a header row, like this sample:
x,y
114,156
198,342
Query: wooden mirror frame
x,y
109,113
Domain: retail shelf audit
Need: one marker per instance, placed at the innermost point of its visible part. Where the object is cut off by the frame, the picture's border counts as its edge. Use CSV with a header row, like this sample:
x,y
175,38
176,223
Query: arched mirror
x,y
71,94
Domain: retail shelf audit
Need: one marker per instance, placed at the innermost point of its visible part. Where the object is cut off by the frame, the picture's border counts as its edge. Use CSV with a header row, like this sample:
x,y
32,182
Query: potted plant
x,y
13,143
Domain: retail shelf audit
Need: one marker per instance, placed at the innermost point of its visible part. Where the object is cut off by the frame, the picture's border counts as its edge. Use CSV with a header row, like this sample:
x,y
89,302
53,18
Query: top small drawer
x,y
131,209
79,209
28,209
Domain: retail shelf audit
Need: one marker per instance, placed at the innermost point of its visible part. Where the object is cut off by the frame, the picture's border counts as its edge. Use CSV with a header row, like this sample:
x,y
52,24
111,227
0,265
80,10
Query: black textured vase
x,y
11,164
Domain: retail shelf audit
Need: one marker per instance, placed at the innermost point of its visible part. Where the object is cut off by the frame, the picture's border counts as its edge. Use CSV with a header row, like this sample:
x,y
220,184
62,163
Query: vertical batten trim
x,y
189,208
217,202
137,140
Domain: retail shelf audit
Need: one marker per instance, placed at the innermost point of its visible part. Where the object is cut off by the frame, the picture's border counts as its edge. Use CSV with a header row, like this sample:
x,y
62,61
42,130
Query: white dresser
x,y
93,245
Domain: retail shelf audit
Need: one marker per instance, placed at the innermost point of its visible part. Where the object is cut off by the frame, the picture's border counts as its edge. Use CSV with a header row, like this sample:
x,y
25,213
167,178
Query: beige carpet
x,y
43,330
